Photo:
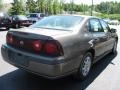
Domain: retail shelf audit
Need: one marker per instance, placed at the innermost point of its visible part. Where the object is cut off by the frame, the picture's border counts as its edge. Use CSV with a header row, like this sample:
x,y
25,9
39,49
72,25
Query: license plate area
x,y
18,58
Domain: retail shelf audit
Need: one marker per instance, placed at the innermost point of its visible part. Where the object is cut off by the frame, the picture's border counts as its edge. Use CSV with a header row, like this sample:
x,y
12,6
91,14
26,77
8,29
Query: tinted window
x,y
95,26
59,22
42,15
22,17
105,26
32,15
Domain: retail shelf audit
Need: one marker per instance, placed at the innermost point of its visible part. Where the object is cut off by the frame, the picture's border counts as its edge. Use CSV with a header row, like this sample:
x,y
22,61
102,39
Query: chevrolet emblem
x,y
21,43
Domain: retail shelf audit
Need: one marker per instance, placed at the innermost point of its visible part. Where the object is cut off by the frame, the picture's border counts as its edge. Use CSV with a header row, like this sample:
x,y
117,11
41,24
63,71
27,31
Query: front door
x,y
99,37
110,39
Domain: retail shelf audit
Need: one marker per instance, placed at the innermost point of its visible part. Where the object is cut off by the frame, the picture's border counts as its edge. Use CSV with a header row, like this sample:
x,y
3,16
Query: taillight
x,y
9,39
53,48
37,45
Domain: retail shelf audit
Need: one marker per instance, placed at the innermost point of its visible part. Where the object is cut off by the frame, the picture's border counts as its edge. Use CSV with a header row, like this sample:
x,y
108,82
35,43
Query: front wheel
x,y
17,26
7,28
85,67
114,50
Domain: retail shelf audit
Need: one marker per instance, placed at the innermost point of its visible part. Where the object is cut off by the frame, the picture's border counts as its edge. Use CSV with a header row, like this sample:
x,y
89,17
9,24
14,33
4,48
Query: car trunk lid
x,y
37,32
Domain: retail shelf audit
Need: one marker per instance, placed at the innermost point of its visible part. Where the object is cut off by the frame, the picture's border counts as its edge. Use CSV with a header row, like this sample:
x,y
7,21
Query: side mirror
x,y
112,30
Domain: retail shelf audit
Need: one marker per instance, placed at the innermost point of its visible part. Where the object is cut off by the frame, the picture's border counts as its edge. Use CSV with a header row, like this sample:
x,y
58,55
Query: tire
x,y
7,28
114,50
85,67
17,26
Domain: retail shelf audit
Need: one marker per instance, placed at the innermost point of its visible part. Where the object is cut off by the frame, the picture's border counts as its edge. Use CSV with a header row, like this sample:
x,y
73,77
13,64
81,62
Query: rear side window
x,y
95,26
32,15
105,26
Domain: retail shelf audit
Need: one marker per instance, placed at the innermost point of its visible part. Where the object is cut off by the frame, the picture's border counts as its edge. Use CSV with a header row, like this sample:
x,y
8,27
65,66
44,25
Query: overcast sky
x,y
77,1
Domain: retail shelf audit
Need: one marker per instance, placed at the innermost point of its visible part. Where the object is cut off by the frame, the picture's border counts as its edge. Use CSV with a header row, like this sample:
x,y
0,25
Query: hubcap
x,y
86,66
16,25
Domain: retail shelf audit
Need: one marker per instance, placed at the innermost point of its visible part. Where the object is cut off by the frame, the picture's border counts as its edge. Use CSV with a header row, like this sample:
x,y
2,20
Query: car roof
x,y
35,13
19,15
84,16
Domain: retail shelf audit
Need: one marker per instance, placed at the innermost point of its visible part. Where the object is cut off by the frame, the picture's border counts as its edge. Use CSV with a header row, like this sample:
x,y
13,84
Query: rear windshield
x,y
4,15
59,22
22,17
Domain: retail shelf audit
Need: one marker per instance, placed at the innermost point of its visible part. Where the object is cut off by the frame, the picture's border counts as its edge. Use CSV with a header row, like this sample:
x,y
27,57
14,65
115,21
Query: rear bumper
x,y
51,68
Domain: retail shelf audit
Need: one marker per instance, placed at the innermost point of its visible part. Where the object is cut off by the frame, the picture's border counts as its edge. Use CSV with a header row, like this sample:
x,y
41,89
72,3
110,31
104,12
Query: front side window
x,y
105,26
95,26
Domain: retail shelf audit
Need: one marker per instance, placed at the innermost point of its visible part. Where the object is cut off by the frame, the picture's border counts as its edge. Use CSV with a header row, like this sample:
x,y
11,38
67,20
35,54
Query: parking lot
x,y
104,75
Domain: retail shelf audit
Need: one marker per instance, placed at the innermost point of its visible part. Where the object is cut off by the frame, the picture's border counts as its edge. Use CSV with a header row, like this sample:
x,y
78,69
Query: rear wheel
x,y
85,67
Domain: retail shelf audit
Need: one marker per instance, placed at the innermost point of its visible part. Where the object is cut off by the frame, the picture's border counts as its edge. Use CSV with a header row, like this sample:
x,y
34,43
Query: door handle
x,y
105,37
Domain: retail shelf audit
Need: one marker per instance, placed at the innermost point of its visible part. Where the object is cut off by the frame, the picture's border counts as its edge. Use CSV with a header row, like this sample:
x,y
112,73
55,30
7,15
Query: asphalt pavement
x,y
105,75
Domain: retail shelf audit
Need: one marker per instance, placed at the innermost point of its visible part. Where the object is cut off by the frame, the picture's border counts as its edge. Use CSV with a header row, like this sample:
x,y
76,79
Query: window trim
x,y
105,23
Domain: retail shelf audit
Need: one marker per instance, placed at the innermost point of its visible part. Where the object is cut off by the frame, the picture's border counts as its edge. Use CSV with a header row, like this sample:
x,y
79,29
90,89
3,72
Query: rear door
x,y
99,37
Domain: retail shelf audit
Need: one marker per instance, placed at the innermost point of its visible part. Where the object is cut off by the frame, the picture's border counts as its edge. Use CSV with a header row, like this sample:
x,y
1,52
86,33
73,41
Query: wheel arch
x,y
92,51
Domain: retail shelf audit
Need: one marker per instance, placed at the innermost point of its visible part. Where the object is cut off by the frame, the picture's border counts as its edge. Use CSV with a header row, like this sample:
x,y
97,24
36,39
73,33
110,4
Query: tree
x,y
77,8
108,7
1,5
49,5
40,5
56,8
23,4
61,6
31,6
16,8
